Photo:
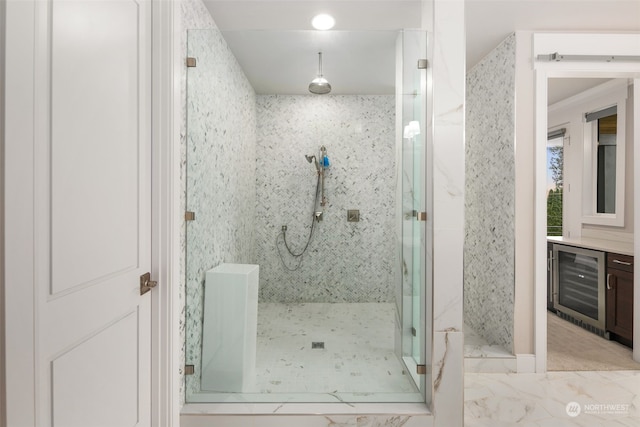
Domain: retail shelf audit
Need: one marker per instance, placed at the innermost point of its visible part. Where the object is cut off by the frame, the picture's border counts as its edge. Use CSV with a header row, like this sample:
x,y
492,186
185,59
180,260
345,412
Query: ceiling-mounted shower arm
x,y
319,85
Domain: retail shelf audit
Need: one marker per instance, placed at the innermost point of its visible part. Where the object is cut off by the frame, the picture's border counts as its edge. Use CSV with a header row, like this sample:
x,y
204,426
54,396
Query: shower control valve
x,y
353,215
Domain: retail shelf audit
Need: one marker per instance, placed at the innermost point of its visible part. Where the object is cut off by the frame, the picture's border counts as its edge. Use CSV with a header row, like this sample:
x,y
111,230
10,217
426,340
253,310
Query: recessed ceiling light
x,y
323,22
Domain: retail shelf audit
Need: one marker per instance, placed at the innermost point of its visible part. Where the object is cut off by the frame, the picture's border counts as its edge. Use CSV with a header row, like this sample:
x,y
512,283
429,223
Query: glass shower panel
x,y
218,142
414,204
199,198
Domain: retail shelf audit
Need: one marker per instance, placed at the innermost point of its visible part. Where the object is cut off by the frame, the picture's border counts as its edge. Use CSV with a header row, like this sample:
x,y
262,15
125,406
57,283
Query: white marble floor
x,y
555,399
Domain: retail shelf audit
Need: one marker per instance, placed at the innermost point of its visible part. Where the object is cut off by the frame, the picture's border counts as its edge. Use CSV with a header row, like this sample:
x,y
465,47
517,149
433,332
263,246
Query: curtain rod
x,y
556,133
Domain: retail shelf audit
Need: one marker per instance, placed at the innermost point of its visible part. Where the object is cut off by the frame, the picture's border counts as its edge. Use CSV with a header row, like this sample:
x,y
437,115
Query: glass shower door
x,y
414,258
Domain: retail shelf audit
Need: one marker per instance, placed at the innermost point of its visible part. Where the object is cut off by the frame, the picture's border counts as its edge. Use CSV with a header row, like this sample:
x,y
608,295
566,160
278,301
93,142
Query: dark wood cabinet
x,y
619,297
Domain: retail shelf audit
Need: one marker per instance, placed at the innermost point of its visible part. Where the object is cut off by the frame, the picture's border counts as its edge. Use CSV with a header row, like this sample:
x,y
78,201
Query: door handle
x,y
609,281
146,284
617,261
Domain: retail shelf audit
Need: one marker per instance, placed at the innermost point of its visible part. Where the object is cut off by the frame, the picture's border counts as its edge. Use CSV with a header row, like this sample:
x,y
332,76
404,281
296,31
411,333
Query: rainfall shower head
x,y
319,85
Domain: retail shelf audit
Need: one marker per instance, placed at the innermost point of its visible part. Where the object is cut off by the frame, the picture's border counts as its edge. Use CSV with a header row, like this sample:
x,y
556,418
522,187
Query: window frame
x,y
590,213
553,142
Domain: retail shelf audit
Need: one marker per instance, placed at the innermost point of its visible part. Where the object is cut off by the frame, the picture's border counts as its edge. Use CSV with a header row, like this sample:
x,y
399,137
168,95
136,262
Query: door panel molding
x,y
85,73
77,368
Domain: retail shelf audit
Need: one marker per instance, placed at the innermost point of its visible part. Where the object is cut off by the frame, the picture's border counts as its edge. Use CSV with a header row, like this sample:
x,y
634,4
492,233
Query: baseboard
x,y
526,363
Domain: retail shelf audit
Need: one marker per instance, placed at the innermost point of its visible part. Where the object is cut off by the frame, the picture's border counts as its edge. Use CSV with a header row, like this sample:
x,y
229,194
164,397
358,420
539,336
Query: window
x,y
605,130
604,165
555,169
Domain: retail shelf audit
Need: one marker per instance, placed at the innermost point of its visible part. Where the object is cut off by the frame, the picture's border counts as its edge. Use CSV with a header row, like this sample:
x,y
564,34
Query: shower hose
x,y
283,234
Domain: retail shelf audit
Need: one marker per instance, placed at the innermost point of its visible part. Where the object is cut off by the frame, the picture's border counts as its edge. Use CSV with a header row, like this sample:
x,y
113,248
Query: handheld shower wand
x,y
313,159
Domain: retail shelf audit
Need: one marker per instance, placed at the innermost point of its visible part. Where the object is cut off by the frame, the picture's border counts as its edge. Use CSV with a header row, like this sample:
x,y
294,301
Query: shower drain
x,y
317,344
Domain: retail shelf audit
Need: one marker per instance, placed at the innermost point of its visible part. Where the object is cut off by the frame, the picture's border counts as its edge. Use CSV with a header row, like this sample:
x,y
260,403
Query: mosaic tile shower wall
x,y
346,261
489,246
220,174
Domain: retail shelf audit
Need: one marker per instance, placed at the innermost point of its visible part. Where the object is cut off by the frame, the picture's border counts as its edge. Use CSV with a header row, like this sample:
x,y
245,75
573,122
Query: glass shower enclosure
x,y
351,325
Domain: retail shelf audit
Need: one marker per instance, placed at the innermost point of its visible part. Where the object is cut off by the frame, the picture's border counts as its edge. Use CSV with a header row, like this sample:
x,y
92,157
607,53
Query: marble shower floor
x,y
480,356
477,346
357,363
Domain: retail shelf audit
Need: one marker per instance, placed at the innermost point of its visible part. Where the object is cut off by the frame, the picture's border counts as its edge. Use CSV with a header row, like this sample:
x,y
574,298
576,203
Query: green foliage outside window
x,y
554,197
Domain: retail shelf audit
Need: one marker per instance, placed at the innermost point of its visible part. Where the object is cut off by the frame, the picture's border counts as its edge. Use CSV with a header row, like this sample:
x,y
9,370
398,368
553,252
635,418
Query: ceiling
x,y
277,47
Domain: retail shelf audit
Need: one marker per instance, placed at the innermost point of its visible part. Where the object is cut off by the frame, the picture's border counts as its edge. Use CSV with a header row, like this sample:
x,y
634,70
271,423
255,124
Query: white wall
x,y
524,202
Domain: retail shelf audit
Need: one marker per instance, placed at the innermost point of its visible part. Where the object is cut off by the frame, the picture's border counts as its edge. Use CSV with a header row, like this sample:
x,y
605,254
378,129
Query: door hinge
x,y
423,64
191,62
146,284
421,369
189,216
189,369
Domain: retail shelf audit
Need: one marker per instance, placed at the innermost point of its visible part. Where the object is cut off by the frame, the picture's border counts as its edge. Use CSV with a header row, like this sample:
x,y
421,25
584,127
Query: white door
x,y
91,189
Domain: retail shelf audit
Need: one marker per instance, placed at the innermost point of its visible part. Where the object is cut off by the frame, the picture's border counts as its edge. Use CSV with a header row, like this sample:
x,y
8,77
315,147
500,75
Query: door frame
x,y
166,221
17,348
18,272
3,391
570,44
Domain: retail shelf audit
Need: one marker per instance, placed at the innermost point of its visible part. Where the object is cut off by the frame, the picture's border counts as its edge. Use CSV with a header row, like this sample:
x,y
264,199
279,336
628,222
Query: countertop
x,y
624,248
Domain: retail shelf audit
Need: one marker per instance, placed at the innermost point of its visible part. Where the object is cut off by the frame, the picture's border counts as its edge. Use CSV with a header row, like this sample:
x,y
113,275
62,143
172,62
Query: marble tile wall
x,y
345,261
490,196
219,174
